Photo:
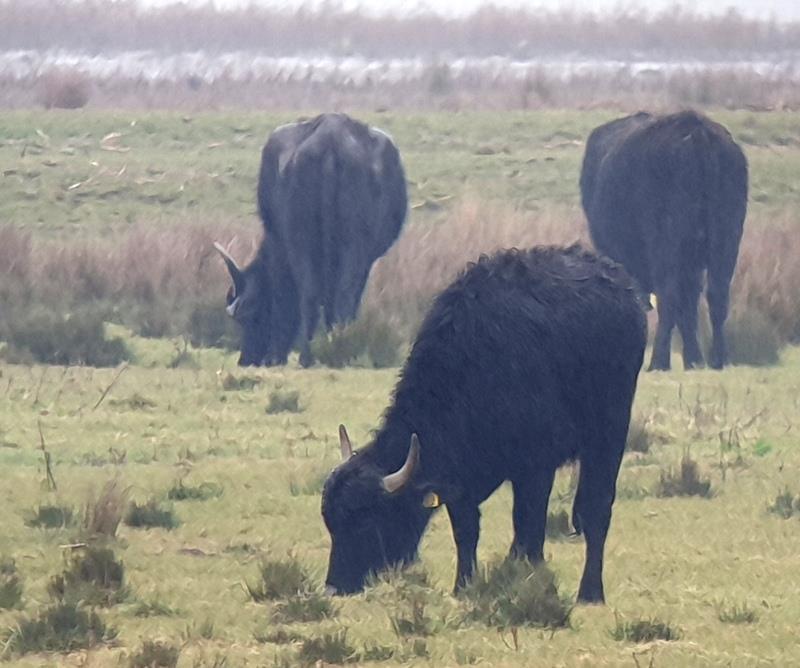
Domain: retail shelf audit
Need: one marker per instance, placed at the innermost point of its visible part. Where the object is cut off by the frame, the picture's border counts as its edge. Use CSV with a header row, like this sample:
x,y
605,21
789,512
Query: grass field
x,y
720,571
94,173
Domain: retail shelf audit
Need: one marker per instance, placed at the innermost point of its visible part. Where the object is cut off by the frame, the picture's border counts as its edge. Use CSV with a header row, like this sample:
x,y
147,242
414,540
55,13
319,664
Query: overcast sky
x,y
781,9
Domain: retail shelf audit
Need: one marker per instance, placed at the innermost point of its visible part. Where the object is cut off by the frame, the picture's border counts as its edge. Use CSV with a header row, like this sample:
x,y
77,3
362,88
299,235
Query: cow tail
x,y
329,213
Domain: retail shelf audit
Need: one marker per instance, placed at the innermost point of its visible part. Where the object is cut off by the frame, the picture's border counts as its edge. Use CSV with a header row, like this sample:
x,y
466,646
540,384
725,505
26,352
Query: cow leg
x,y
720,272
465,521
597,484
667,312
531,496
352,280
309,319
687,320
718,297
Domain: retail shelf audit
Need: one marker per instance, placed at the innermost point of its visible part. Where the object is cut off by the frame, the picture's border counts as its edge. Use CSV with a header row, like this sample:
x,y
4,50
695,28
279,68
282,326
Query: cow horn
x,y
344,443
397,480
233,268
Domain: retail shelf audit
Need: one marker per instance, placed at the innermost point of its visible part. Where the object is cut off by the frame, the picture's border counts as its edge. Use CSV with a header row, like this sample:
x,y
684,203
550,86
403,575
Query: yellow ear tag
x,y
431,500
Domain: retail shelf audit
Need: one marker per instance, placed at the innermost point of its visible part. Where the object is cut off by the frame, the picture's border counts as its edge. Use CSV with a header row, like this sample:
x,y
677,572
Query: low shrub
x,y
49,337
210,327
515,593
367,341
150,515
687,481
644,630
64,627
10,585
156,654
51,517
92,576
752,339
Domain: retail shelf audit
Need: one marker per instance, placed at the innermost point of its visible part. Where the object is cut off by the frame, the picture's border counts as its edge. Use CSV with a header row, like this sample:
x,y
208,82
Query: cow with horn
x,y
527,361
332,198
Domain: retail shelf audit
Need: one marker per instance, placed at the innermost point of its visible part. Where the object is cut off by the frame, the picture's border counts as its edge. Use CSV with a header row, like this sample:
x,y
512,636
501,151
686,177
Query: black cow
x,y
527,361
332,197
667,197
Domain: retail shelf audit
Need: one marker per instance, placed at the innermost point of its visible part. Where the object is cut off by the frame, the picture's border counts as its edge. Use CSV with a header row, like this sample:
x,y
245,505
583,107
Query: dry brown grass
x,y
427,258
104,511
153,277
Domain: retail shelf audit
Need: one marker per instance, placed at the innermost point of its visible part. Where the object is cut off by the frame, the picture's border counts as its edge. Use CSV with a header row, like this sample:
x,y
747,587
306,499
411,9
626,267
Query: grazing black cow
x,y
332,197
527,361
667,197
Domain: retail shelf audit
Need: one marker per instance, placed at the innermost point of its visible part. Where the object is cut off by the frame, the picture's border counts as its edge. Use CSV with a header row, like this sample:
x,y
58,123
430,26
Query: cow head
x,y
248,304
374,519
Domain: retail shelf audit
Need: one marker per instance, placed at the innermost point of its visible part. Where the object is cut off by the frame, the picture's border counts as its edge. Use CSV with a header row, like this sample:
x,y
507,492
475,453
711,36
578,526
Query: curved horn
x,y
397,480
233,269
344,443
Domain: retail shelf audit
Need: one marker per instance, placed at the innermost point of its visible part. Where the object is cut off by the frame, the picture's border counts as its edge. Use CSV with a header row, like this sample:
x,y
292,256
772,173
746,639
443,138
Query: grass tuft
x,y
785,504
284,401
92,576
231,383
64,627
687,481
514,593
10,585
737,614
644,630
328,648
281,579
312,606
558,524
150,515
638,437
156,654
154,608
201,492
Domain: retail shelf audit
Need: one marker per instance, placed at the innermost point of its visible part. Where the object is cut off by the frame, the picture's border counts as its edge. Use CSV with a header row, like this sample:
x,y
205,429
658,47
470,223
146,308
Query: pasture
x,y
720,569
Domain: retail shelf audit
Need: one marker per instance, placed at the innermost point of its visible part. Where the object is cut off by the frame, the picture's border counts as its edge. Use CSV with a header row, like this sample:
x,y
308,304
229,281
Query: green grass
x,y
667,558
176,168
